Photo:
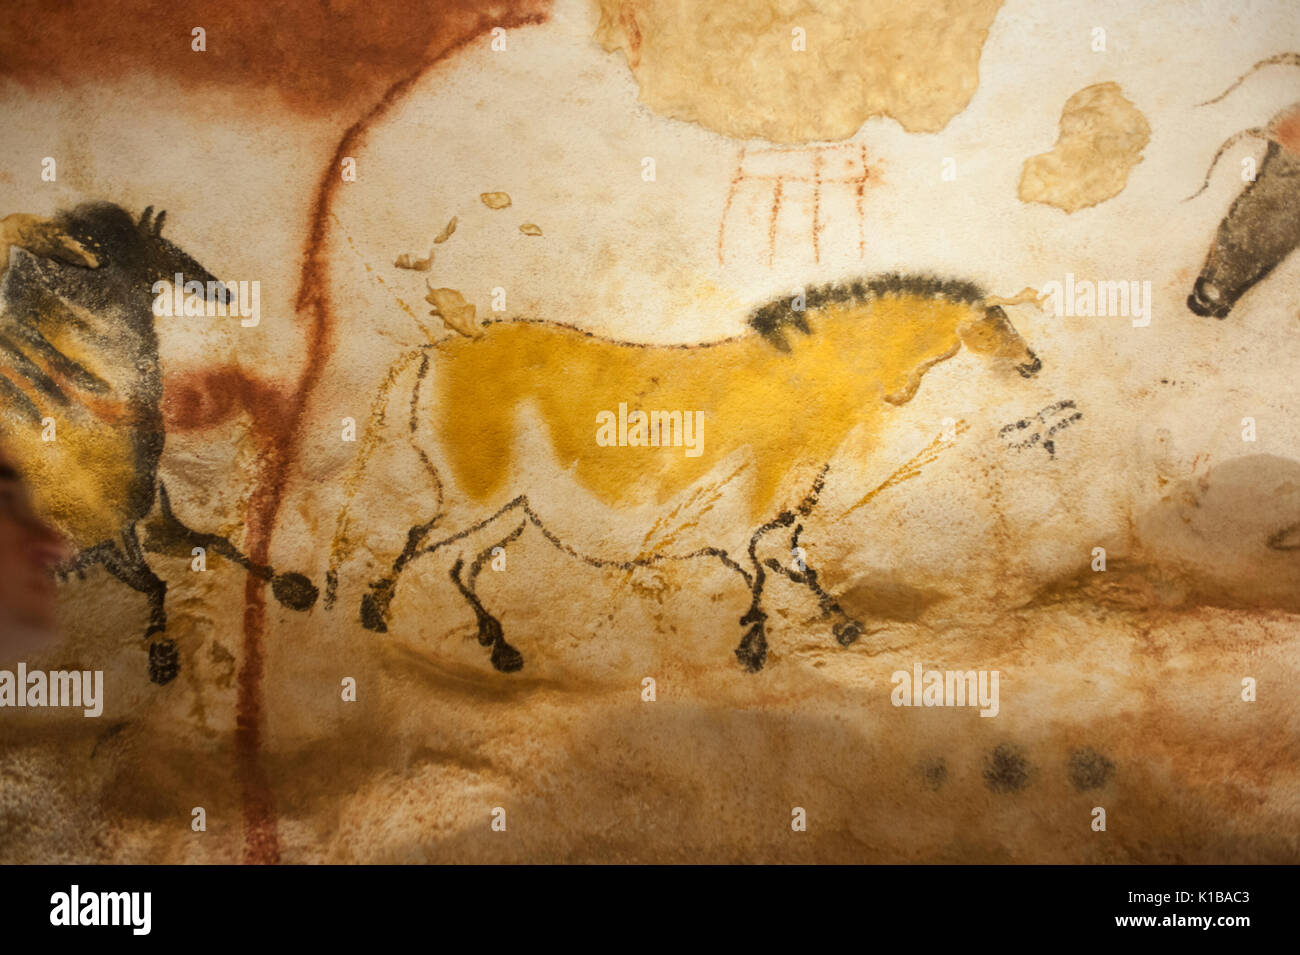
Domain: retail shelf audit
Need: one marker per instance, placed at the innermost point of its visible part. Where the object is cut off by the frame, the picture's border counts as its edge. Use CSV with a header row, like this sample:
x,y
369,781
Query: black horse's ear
x,y
158,222
144,219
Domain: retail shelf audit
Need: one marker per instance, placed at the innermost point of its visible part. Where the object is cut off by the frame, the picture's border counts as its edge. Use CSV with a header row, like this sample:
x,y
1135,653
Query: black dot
x,y
1089,769
1006,770
934,773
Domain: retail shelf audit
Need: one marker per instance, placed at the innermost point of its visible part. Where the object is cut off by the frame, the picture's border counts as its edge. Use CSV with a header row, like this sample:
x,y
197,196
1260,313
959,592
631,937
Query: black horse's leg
x,y
153,586
128,565
292,590
164,659
504,657
83,560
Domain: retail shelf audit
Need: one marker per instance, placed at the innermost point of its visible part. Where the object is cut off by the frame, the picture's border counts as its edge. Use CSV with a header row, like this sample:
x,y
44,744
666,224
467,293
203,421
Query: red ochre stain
x,y
1286,129
320,57
261,841
194,401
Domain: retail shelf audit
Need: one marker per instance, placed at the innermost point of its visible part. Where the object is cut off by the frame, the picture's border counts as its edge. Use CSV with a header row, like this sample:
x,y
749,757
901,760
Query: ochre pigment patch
x,y
449,305
447,231
1102,138
410,261
759,69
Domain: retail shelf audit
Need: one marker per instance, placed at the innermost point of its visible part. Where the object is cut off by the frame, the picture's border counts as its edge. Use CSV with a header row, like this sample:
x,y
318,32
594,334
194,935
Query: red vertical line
x,y
862,219
771,227
817,199
731,192
261,842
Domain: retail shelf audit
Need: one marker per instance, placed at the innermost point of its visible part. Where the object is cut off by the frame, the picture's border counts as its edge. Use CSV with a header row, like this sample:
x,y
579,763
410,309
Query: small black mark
x,y
164,661
1288,538
1066,413
1006,770
1089,769
934,773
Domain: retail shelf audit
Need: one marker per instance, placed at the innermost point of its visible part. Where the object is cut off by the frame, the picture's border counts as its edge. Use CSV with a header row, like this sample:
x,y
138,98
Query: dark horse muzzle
x,y
1260,230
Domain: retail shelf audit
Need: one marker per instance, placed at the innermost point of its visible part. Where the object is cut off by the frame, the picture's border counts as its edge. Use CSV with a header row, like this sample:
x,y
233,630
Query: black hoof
x,y
374,607
847,632
752,652
294,591
490,632
505,657
164,661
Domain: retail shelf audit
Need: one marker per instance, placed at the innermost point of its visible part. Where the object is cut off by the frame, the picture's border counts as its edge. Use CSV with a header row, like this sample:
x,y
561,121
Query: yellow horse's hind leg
x,y
845,629
504,657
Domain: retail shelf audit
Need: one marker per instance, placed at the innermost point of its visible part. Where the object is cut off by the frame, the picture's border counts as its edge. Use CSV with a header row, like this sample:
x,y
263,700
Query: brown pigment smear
x,y
198,400
261,841
320,57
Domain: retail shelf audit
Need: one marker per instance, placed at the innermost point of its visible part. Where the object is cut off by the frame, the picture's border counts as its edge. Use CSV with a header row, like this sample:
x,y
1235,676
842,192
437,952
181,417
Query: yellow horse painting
x,y
640,424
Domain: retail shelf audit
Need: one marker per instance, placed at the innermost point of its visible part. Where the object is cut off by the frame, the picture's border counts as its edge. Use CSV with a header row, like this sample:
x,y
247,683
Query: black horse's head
x,y
1259,231
132,254
1262,227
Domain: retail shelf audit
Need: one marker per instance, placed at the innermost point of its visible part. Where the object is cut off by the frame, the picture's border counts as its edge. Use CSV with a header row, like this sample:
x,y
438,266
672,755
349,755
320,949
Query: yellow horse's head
x,y
887,331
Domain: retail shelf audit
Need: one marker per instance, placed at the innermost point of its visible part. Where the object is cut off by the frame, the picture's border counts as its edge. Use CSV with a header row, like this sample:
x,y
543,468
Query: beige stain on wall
x,y
801,73
1102,138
